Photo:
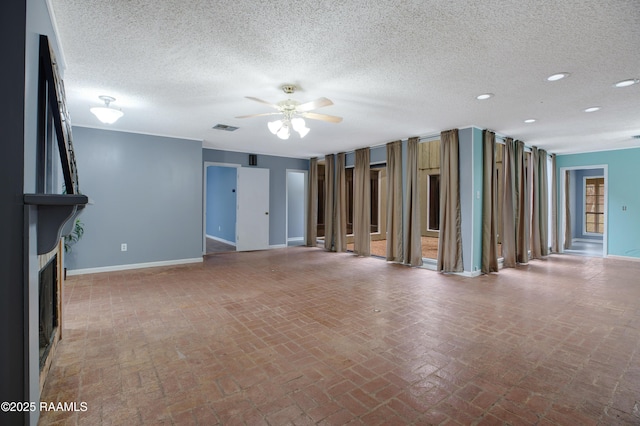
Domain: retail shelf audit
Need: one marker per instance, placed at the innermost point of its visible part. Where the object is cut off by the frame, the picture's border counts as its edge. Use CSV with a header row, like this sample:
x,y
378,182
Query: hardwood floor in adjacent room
x,y
300,336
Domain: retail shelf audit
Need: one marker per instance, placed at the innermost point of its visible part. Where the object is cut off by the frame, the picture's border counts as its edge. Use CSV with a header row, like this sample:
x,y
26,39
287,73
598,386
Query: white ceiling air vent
x,y
225,127
636,136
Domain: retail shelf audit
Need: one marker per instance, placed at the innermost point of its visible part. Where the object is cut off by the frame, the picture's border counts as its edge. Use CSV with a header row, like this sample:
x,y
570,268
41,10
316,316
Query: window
x,y
433,205
375,200
594,205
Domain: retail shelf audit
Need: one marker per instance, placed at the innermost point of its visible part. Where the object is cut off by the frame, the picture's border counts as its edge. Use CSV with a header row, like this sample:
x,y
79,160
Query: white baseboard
x,y
222,240
469,274
115,268
292,239
616,257
588,240
277,246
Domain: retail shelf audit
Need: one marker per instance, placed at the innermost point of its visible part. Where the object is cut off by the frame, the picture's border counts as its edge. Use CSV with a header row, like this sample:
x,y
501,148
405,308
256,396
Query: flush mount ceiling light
x,y
558,76
592,109
484,96
106,114
530,120
627,83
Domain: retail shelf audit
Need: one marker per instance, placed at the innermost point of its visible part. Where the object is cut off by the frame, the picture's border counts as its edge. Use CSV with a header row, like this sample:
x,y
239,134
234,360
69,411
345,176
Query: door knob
x,y
266,212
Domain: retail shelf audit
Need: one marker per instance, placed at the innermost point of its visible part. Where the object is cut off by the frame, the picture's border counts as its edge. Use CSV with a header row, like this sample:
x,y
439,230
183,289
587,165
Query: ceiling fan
x,y
294,114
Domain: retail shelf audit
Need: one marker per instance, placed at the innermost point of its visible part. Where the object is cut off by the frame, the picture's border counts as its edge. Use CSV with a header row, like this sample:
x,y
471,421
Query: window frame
x,y
584,206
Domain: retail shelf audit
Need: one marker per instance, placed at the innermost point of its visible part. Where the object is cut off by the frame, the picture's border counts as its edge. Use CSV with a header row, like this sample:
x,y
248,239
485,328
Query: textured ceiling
x,y
393,69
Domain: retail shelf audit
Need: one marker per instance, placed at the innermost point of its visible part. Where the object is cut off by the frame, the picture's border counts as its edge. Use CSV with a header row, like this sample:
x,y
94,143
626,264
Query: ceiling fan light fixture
x,y
283,133
274,126
298,124
106,114
303,132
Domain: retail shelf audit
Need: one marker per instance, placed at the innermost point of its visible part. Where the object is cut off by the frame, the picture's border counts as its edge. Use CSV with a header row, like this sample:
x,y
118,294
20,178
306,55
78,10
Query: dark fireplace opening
x,y
48,307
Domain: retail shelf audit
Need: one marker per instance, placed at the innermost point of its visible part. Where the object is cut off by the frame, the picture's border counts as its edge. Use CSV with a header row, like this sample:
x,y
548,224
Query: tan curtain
x,y
536,243
312,204
555,246
394,201
522,206
489,208
328,201
509,205
412,238
450,241
362,204
340,206
544,202
567,211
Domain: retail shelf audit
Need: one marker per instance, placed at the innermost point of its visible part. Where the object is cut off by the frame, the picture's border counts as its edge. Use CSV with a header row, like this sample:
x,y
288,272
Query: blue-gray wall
x,y
146,192
277,184
623,199
221,202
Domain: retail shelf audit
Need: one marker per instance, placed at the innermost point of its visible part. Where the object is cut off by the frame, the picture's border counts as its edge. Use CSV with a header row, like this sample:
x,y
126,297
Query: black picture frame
x,y
55,95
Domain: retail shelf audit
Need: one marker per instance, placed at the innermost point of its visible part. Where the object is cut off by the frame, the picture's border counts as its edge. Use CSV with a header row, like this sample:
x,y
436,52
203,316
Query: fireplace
x,y
50,307
48,300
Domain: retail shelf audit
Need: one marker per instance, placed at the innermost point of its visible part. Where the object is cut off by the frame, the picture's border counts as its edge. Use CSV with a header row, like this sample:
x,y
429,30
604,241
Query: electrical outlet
x,y
123,247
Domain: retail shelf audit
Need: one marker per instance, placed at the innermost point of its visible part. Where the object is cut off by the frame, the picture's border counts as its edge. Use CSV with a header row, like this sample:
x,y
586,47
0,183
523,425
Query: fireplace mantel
x,y
54,211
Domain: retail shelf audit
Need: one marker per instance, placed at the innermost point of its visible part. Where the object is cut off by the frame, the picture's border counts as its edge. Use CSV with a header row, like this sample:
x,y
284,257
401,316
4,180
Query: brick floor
x,y
300,336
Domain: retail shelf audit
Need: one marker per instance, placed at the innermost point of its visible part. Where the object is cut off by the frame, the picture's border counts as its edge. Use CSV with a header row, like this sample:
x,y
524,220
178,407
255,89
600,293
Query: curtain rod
x,y
437,136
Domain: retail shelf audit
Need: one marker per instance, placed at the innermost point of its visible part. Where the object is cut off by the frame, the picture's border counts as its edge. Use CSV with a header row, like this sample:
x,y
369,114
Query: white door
x,y
252,220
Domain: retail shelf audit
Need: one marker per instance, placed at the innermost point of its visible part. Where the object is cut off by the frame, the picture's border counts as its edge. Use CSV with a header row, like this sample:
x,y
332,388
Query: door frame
x,y
306,203
204,197
562,180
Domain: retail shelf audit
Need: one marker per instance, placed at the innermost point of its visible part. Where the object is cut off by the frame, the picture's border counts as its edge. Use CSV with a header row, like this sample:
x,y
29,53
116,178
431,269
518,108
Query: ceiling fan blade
x,y
318,103
259,115
323,117
263,102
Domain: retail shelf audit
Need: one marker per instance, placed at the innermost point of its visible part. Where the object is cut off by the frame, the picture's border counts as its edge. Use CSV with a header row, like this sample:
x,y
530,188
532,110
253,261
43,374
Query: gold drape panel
x,y
450,241
394,201
522,206
509,205
544,202
412,238
362,204
567,211
489,207
536,250
328,201
555,246
540,206
340,206
312,204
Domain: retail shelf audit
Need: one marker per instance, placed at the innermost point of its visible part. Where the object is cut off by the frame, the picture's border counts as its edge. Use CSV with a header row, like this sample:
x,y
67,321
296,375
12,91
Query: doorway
x,y
296,207
583,210
220,212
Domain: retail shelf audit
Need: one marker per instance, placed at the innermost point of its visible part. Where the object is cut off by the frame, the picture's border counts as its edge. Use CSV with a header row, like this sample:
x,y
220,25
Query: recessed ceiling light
x,y
592,109
530,120
484,96
627,83
558,76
